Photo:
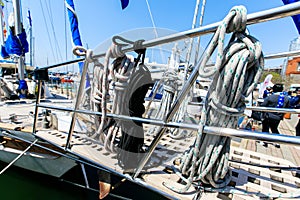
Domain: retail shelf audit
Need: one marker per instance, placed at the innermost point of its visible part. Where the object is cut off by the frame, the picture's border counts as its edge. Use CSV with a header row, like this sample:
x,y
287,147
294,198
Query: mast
x,y
1,23
200,24
18,30
17,38
1,37
188,55
31,39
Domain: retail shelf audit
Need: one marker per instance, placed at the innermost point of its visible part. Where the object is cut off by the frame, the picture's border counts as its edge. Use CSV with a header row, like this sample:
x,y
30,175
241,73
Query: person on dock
x,y
272,119
268,91
295,103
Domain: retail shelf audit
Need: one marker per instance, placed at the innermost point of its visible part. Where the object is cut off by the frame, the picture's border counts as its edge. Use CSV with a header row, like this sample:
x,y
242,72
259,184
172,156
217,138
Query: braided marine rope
x,y
99,91
236,73
120,75
121,72
170,82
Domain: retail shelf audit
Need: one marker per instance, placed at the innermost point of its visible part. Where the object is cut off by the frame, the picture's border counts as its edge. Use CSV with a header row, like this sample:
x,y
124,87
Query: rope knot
x,y
116,48
89,56
116,51
79,51
138,46
238,20
226,110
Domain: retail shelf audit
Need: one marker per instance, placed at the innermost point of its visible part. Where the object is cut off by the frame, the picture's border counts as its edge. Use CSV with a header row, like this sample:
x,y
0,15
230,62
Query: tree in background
x,y
277,78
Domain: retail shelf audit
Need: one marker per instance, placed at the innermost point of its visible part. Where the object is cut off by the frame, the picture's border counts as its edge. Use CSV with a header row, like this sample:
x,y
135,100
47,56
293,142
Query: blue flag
x,y
75,33
296,18
16,44
124,3
73,23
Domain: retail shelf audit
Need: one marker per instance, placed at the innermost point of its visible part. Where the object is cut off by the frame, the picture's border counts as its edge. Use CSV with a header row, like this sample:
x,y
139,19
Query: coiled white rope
x,y
170,82
236,73
99,91
120,75
95,94
120,78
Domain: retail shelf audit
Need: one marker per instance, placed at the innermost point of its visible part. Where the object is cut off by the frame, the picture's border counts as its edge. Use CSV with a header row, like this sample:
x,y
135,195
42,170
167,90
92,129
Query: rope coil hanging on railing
x,y
99,92
235,74
100,86
170,82
129,81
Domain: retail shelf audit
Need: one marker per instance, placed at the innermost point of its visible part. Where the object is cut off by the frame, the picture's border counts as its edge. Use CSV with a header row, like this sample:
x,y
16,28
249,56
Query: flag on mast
x,y
124,3
75,33
296,18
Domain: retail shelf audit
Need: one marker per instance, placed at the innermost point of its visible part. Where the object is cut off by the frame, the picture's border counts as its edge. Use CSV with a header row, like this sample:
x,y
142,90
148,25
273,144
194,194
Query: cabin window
x,y
298,68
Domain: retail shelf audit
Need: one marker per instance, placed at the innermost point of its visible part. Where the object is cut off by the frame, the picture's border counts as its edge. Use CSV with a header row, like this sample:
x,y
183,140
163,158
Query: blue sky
x,y
99,20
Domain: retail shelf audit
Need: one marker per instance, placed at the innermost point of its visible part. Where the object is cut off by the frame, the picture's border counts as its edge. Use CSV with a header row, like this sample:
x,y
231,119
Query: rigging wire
x,y
182,113
155,30
66,43
58,52
188,55
49,38
151,17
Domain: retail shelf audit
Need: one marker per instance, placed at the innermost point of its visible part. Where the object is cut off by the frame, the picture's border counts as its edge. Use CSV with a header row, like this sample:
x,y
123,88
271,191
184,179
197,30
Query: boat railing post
x,y
68,90
77,102
37,102
40,74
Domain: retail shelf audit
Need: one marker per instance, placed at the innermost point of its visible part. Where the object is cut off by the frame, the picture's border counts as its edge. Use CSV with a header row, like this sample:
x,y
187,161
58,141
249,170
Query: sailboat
x,y
164,149
38,158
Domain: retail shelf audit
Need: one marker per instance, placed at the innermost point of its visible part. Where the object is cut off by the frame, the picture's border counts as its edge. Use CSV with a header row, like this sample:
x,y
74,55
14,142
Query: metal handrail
x,y
158,122
270,109
282,54
268,56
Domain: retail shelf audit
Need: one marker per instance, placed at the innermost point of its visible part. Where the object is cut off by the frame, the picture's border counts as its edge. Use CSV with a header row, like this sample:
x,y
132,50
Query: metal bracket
x,y
41,74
